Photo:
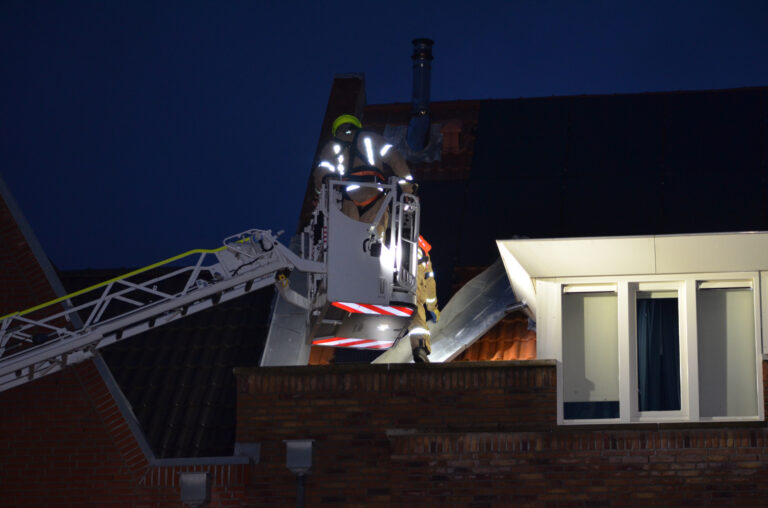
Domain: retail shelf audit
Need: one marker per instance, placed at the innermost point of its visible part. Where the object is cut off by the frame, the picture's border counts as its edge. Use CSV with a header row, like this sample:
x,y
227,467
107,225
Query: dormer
x,y
648,328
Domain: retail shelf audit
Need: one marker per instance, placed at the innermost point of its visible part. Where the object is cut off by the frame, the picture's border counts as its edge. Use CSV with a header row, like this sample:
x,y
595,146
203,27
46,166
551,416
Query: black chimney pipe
x,y
418,128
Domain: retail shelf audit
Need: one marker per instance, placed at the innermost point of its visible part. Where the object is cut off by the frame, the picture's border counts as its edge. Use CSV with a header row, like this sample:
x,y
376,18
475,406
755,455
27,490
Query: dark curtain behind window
x,y
658,354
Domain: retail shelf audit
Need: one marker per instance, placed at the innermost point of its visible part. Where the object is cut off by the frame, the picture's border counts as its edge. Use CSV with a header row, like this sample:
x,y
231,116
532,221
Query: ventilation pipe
x,y
418,128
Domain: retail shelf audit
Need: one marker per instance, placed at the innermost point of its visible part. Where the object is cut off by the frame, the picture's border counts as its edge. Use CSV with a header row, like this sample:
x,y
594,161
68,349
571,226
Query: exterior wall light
x,y
195,488
298,455
298,459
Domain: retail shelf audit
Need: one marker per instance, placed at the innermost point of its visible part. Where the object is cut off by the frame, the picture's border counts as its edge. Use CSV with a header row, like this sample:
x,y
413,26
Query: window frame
x,y
596,289
682,308
550,291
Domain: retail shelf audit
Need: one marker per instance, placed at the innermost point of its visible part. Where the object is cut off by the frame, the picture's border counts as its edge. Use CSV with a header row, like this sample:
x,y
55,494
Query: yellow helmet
x,y
345,119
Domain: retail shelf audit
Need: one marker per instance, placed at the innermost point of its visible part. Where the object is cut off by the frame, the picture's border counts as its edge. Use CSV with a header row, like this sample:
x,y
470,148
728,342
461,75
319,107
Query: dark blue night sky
x,y
132,131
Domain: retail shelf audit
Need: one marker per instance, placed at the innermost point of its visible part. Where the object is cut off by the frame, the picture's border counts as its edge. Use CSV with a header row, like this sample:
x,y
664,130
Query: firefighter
x,y
357,155
426,305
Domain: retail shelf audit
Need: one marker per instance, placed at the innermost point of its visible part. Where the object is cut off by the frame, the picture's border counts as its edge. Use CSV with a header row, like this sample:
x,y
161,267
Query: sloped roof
x,y
457,121
614,165
178,378
605,165
511,339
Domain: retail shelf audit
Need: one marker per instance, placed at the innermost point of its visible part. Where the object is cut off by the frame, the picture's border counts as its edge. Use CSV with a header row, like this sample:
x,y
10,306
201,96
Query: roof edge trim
x,y
638,255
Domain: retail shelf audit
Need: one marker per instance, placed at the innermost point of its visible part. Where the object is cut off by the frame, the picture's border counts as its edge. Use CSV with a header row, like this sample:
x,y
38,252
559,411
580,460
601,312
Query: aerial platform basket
x,y
368,294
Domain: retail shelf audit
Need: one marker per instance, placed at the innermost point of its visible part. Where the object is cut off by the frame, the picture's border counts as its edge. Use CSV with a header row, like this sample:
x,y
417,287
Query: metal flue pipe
x,y
418,128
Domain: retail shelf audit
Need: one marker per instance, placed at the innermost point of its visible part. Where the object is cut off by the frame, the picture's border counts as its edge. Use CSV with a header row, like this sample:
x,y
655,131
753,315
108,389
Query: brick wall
x,y
351,411
64,442
479,434
473,434
596,468
23,282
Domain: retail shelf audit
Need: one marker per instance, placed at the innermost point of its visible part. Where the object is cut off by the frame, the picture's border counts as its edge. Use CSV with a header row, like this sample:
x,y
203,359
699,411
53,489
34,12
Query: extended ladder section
x,y
46,338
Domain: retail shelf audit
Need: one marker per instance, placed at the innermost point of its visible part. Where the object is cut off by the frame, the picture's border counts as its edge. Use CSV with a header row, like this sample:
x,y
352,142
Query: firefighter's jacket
x,y
426,290
361,156
426,300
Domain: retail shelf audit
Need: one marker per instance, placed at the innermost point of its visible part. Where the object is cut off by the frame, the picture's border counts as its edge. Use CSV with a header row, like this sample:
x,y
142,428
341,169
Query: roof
x,y
636,164
583,166
513,338
457,121
178,378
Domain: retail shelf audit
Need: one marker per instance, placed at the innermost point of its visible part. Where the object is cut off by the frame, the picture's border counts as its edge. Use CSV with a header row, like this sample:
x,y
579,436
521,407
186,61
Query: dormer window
x,y
644,346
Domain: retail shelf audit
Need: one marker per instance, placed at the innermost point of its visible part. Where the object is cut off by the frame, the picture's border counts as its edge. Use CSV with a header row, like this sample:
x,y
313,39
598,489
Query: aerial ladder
x,y
359,288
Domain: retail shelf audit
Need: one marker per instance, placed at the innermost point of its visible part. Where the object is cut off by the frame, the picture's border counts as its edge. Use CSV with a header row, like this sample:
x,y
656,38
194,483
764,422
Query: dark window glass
x,y
658,354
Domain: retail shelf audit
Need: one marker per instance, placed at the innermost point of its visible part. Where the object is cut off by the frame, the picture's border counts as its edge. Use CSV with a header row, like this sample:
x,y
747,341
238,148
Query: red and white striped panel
x,y
383,310
356,343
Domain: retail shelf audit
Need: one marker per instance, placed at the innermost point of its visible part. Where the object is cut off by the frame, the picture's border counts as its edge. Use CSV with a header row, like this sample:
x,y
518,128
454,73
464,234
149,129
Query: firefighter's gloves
x,y
432,314
420,355
372,246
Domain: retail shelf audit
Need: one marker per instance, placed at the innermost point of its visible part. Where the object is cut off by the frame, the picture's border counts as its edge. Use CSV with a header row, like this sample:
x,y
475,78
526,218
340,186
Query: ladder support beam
x,y
254,264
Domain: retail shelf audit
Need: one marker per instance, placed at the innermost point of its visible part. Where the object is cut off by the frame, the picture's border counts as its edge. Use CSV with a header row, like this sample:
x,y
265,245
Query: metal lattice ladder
x,y
42,340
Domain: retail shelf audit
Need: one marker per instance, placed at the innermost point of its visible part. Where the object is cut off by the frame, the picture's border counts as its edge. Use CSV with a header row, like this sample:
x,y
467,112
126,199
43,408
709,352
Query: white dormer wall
x,y
543,272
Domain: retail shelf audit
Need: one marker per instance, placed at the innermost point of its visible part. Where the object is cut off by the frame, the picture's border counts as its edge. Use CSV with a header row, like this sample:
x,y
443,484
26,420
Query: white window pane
x,y
726,330
590,356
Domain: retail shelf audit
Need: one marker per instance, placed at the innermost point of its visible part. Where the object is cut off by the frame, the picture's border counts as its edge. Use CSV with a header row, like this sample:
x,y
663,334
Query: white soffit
x,y
637,255
725,252
574,257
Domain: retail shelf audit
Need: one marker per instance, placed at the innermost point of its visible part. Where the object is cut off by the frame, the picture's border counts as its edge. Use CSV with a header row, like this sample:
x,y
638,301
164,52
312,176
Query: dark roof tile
x,y
178,377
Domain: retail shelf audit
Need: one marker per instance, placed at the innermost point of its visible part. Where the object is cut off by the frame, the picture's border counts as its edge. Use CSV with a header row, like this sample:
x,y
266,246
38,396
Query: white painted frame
x,y
683,320
549,293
